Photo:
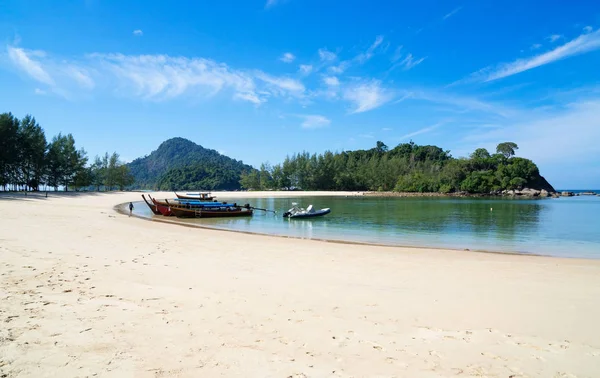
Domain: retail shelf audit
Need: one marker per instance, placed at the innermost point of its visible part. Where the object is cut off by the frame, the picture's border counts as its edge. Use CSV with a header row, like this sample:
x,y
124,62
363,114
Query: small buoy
x,y
491,209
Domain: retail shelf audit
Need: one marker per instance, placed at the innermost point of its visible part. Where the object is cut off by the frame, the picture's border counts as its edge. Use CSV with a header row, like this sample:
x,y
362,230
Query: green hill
x,y
179,164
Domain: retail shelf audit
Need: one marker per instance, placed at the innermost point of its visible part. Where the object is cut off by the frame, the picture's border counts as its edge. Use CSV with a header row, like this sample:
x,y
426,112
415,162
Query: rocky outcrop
x,y
567,194
526,192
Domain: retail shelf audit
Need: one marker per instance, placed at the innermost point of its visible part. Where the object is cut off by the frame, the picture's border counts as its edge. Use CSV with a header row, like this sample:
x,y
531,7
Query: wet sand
x,y
86,291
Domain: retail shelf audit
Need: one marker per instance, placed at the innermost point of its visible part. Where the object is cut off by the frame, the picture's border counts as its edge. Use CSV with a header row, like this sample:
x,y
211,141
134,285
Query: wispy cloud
x,y
583,118
81,76
25,61
536,46
340,68
588,29
39,91
151,77
138,32
363,57
314,121
407,63
386,129
305,69
554,37
326,55
284,85
421,131
366,96
331,81
287,57
452,13
397,54
580,45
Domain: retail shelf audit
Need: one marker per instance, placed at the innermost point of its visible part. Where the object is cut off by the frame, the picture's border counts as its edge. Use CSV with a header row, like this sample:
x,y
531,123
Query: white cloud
x,y
305,69
152,77
283,85
161,77
363,57
326,55
421,131
579,143
287,57
536,46
39,91
81,76
397,54
138,32
588,29
366,96
580,45
554,37
455,11
331,81
386,129
24,61
340,68
409,62
314,121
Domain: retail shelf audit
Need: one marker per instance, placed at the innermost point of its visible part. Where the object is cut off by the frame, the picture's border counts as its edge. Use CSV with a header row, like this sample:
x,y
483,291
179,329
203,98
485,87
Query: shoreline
x,y
122,209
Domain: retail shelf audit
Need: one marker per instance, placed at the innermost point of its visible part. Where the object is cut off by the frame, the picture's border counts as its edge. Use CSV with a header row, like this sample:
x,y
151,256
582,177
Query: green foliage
x,y
27,161
507,149
407,167
167,168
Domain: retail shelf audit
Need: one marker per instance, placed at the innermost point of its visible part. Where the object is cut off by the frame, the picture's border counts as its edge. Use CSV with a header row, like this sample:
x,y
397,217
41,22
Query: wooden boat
x,y
212,212
309,212
187,203
152,206
202,196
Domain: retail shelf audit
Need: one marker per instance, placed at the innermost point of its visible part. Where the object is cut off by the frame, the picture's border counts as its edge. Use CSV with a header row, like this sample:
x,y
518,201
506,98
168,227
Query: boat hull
x,y
318,213
152,206
204,197
203,213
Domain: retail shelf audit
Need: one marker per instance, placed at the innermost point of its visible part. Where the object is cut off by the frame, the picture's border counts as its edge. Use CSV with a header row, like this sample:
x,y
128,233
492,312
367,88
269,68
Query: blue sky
x,y
257,80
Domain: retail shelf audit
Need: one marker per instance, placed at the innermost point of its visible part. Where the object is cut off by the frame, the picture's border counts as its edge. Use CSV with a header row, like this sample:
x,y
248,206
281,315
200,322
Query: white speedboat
x,y
309,212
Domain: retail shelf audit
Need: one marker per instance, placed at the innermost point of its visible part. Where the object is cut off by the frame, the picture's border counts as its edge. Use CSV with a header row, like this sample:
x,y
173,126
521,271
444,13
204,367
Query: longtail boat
x,y
202,196
212,212
163,209
152,206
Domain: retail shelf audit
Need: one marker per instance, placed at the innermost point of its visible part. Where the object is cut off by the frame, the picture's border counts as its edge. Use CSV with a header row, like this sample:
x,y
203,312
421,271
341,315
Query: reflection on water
x,y
565,226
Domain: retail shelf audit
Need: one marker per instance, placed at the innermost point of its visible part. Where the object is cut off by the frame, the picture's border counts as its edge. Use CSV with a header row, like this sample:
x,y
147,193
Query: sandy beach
x,y
86,291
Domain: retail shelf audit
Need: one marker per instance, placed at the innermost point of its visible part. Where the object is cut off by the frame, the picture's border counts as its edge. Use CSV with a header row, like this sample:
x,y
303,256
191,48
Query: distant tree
x,y
480,153
124,178
9,146
250,180
381,147
507,149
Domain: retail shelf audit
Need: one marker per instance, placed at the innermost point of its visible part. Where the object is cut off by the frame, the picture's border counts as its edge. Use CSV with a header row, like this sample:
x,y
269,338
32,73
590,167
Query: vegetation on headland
x,y
406,168
179,164
28,161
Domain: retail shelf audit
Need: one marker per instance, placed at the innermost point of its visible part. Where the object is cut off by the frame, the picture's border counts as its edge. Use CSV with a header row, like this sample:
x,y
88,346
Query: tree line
x,y
406,168
28,161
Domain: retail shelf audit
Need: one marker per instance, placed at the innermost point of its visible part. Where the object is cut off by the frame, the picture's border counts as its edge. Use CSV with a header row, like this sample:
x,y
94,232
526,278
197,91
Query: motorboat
x,y
309,212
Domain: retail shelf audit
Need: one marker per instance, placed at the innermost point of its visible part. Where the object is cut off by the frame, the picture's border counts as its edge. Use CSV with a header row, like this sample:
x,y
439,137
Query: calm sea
x,y
568,226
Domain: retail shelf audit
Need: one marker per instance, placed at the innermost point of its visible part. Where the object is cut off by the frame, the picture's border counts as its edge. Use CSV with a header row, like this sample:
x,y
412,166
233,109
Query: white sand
x,y
85,291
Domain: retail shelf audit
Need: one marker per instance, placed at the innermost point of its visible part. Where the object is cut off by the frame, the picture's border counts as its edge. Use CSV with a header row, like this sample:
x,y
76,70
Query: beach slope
x,y
86,291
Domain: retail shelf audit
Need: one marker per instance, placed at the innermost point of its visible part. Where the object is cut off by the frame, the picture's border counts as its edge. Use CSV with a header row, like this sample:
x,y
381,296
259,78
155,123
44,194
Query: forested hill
x,y
407,167
179,164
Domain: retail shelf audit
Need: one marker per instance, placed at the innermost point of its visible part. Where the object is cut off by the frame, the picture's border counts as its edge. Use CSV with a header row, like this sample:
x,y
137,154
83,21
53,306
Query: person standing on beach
x,y
130,208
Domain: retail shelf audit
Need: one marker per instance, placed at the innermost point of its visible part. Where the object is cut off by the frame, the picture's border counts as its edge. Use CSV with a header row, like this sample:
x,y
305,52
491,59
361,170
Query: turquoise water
x,y
568,227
